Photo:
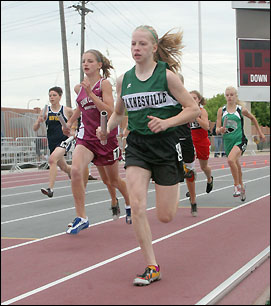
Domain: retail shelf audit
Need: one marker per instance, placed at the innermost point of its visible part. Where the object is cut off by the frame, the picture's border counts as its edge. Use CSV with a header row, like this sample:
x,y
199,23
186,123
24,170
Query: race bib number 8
x,y
179,151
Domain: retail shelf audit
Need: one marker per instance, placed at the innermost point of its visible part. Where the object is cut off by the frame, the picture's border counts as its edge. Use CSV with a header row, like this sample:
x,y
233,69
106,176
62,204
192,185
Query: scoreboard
x,y
253,62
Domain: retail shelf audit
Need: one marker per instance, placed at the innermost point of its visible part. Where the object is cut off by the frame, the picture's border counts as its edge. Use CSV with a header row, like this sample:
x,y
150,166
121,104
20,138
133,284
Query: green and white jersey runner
x,y
150,97
234,124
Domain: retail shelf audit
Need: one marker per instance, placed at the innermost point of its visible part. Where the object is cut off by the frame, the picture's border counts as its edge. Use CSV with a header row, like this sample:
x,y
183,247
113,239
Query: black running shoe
x,y
49,192
44,166
116,211
243,194
188,194
209,186
194,209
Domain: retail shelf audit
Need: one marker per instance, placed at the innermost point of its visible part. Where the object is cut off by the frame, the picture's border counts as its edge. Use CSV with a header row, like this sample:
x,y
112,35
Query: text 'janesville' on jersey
x,y
150,97
90,115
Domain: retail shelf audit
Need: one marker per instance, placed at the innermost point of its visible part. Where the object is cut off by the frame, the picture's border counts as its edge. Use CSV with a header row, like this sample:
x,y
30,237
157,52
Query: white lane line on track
x,y
66,195
121,171
48,199
104,201
41,181
38,178
38,190
213,297
109,260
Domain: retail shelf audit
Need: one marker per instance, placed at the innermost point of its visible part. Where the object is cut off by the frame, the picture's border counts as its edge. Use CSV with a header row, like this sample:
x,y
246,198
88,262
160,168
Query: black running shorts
x,y
187,149
52,146
156,153
186,143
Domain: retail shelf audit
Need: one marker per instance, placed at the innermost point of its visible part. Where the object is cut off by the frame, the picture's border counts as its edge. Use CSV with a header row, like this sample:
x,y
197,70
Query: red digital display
x,y
254,62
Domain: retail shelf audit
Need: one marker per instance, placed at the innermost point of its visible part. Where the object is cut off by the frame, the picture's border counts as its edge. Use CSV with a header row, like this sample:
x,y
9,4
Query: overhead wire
x,y
109,43
13,4
103,32
33,22
125,33
109,32
141,13
126,20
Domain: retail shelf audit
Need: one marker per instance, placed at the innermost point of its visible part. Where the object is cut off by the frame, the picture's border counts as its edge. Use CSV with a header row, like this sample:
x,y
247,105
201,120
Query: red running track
x,y
37,177
14,179
193,262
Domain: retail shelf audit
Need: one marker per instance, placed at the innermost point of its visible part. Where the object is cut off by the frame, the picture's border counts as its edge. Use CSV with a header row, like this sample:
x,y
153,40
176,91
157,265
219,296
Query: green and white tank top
x,y
149,97
234,124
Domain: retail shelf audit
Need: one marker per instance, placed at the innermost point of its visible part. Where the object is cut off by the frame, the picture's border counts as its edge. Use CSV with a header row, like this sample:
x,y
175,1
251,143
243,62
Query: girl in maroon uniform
x,y
94,95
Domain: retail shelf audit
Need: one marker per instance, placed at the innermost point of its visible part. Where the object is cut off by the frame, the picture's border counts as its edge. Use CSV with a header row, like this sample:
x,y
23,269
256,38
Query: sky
x,y
31,47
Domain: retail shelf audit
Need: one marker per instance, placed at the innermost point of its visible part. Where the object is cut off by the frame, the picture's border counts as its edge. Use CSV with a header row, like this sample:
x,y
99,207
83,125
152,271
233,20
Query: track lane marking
x,y
31,202
109,260
103,201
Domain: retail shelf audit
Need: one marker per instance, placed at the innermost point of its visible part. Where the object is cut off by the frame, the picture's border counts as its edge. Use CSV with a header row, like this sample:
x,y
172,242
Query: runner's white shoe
x,y
237,192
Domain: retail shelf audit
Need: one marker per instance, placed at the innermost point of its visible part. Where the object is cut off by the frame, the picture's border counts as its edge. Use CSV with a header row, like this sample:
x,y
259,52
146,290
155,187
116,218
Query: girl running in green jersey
x,y
153,95
230,123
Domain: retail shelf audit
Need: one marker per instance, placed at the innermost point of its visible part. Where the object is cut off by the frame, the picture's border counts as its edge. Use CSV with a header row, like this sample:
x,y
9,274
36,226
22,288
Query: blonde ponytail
x,y
169,47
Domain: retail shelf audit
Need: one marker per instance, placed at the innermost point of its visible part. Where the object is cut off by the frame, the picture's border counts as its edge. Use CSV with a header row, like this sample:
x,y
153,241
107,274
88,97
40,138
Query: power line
x,y
126,20
141,13
13,22
110,34
113,46
30,23
14,5
114,24
83,11
30,77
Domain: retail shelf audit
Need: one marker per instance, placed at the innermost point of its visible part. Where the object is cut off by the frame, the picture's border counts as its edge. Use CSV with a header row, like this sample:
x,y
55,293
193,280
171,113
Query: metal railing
x,y
20,125
21,146
26,151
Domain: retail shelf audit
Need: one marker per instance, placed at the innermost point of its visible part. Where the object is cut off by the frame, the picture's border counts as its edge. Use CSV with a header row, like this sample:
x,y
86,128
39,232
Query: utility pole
x,y
200,52
82,11
65,55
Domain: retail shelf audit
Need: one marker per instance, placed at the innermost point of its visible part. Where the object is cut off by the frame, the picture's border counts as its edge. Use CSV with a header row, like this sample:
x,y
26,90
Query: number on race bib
x,y
116,153
179,151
